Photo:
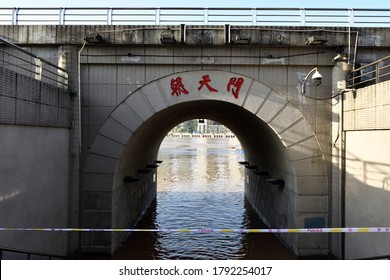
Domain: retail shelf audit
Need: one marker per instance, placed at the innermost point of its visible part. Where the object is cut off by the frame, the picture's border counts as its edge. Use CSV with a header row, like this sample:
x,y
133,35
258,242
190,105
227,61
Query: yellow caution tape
x,y
209,230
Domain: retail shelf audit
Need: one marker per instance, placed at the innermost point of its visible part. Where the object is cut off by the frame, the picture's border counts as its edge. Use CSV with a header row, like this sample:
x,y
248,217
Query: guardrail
x,y
33,91
371,73
384,257
12,254
196,16
23,62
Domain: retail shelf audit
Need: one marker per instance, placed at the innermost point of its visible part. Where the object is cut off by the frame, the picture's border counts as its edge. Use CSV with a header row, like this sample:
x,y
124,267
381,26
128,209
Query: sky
x,y
381,4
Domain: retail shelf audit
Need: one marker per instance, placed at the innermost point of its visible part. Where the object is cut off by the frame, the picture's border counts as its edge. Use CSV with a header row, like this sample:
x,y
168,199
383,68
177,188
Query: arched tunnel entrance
x,y
278,143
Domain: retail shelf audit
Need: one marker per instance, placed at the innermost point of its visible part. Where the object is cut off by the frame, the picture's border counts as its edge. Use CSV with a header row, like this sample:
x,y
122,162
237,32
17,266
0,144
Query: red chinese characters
x,y
235,85
177,87
205,82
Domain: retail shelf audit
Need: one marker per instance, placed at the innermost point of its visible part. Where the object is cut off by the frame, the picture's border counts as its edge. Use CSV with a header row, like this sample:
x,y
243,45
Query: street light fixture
x,y
167,37
94,38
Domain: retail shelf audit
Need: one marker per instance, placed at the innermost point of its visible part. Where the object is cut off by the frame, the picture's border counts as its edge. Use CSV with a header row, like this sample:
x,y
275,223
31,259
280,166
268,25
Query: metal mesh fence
x,y
368,108
25,100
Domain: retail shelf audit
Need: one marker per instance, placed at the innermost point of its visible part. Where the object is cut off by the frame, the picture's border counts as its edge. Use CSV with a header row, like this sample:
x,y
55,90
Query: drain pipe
x,y
79,91
343,153
337,188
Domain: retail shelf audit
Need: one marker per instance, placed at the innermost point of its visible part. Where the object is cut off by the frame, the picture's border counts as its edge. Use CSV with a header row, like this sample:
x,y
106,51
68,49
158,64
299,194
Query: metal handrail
x,y
383,257
199,16
371,73
29,254
52,73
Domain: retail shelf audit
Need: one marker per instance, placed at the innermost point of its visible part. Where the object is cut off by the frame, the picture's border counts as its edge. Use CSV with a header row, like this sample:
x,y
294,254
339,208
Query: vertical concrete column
x,y
62,63
68,59
339,73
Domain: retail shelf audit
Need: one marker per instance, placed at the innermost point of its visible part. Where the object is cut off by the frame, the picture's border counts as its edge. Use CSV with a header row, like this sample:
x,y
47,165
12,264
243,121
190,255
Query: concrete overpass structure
x,y
130,84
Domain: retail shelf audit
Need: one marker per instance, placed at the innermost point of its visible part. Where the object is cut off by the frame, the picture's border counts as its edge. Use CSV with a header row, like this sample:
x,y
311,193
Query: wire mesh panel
x,y
7,96
368,108
7,110
27,101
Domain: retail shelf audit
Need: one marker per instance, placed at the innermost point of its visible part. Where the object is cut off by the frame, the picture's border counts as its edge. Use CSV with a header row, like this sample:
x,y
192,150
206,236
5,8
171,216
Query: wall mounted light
x,y
316,40
276,182
144,171
243,162
131,179
241,39
94,38
261,173
154,165
317,79
157,161
167,37
252,167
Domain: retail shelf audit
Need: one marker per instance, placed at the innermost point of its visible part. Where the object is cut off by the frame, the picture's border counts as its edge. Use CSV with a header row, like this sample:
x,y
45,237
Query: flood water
x,y
201,185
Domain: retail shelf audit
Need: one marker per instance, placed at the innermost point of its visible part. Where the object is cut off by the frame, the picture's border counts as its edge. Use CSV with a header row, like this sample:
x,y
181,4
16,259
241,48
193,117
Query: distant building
x,y
201,126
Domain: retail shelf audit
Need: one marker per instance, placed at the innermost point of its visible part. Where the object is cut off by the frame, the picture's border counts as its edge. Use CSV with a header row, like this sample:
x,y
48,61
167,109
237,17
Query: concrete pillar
x,y
67,59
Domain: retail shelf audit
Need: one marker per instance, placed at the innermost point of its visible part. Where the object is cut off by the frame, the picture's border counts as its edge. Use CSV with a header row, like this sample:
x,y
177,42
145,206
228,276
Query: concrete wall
x,y
367,189
34,187
105,206
367,169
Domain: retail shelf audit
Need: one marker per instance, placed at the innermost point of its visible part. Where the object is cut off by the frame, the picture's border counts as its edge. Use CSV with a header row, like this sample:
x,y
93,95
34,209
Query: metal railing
x,y
371,73
33,91
24,62
12,254
384,257
196,16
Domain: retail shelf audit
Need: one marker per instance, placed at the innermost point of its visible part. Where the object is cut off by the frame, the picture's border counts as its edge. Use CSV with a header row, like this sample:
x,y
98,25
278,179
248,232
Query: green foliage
x,y
186,127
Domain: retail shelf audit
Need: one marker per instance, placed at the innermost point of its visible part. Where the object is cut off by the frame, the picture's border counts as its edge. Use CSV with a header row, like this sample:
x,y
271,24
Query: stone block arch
x,y
130,137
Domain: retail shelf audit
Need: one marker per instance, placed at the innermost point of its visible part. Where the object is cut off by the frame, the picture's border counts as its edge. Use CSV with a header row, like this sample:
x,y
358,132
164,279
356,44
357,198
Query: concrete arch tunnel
x,y
275,136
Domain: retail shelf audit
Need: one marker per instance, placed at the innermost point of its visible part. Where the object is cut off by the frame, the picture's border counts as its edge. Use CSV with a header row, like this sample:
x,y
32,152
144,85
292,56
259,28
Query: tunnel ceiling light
x,y
94,38
317,79
316,40
131,179
167,37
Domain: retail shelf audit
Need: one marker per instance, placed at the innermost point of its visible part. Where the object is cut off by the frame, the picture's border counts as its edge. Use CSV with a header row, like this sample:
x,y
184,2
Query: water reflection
x,y
200,185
